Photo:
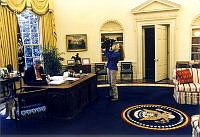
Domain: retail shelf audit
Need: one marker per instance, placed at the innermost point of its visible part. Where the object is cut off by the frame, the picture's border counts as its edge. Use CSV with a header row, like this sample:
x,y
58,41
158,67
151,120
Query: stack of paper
x,y
56,80
71,78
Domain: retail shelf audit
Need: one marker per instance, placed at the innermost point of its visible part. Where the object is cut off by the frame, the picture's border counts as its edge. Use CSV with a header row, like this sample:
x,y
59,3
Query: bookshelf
x,y
117,36
195,44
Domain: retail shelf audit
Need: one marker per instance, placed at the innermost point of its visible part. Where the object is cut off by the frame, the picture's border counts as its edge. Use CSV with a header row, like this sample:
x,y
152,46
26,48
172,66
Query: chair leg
x,y
98,78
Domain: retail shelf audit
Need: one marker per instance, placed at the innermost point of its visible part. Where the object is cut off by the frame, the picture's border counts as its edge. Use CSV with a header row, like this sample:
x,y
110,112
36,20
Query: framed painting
x,y
76,42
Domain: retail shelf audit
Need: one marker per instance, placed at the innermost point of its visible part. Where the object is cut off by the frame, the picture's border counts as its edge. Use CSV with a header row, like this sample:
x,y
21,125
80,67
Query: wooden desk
x,y
77,68
63,101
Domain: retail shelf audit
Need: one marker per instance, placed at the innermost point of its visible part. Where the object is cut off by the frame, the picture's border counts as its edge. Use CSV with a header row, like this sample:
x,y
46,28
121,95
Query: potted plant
x,y
52,61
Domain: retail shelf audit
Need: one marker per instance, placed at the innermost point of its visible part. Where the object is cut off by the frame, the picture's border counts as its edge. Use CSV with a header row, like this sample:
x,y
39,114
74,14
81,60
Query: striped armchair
x,y
195,122
187,93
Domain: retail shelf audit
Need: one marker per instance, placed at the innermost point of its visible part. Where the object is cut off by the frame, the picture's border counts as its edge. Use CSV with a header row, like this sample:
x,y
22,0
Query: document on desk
x,y
56,80
71,78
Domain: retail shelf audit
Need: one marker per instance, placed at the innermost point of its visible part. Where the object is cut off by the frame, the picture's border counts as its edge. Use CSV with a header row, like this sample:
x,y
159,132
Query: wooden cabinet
x,y
118,37
77,68
195,44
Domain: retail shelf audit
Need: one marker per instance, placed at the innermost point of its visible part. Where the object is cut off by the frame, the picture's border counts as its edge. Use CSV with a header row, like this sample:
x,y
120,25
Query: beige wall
x,y
87,17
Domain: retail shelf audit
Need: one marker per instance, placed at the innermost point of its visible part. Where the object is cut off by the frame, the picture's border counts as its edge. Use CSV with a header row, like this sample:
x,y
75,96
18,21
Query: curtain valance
x,y
40,7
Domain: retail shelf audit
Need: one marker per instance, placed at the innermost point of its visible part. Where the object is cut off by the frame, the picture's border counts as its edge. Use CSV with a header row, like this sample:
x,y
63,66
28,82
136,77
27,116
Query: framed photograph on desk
x,y
85,61
70,62
76,42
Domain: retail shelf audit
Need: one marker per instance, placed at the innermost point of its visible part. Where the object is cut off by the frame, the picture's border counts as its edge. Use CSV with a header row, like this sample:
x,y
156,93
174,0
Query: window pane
x,y
34,38
29,62
36,51
29,29
26,38
28,51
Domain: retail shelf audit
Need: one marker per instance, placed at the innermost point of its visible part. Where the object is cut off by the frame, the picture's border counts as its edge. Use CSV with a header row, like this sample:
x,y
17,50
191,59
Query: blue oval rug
x,y
155,117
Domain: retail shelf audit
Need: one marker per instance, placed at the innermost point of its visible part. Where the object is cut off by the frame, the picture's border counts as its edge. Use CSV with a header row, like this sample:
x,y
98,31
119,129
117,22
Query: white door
x,y
161,68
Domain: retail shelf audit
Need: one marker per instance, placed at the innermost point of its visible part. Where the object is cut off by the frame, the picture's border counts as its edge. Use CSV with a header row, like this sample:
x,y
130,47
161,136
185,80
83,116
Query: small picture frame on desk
x,y
85,61
70,62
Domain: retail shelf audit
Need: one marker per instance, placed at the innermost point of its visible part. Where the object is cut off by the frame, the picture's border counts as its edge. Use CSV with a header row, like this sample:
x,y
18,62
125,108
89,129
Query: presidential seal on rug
x,y
155,117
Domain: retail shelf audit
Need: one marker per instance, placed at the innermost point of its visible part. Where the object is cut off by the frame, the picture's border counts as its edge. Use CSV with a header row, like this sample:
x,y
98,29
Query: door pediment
x,y
156,6
156,10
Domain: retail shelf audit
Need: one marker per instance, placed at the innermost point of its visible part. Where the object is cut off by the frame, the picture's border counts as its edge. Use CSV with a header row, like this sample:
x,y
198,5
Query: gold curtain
x,y
8,26
40,6
16,5
8,38
48,30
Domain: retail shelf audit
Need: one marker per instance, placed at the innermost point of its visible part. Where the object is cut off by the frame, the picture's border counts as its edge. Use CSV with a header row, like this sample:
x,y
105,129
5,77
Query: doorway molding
x,y
154,12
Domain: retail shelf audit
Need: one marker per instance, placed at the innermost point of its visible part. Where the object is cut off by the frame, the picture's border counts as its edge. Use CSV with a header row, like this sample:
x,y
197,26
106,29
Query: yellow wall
x,y
87,17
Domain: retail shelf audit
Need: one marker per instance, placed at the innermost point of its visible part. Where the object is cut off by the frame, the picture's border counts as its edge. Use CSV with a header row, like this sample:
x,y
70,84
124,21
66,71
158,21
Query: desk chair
x,y
126,68
100,69
30,103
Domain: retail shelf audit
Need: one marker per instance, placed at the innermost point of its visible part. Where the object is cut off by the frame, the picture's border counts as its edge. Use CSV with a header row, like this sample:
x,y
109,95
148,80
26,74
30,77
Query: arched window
x,y
30,35
112,30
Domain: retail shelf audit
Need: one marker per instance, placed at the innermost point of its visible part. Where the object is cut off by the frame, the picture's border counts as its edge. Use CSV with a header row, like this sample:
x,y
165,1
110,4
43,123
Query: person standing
x,y
113,56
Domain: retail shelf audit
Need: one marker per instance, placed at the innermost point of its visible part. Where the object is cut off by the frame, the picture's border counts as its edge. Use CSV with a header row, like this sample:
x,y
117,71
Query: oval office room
x,y
60,68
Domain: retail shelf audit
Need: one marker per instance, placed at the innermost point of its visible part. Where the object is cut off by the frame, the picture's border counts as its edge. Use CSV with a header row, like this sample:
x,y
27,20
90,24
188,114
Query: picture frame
x,y
85,61
76,42
70,62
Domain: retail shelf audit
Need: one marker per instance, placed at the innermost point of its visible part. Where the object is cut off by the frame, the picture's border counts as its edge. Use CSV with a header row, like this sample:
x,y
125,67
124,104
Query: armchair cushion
x,y
187,93
184,76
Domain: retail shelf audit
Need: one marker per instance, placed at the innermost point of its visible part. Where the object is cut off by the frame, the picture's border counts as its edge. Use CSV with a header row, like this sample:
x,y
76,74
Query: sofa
x,y
187,85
